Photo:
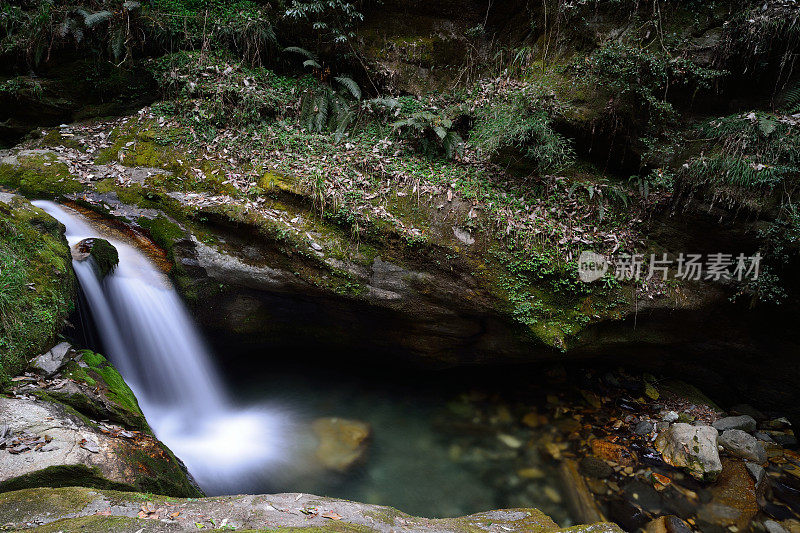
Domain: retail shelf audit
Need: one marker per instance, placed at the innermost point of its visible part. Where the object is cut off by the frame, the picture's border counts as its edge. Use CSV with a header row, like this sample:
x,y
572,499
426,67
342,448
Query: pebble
x,y
530,473
595,467
669,416
757,471
773,527
552,494
644,427
510,441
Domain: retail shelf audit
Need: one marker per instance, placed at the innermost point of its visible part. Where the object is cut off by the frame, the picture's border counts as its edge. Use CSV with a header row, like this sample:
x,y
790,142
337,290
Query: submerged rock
x,y
733,500
107,510
693,448
342,443
667,524
743,445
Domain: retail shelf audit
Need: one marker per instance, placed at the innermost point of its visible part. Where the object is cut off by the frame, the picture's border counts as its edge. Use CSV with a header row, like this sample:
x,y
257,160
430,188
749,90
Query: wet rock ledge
x,y
82,509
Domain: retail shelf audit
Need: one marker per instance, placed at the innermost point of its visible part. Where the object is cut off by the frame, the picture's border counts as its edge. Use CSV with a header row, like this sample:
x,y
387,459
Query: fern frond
x,y
302,51
351,85
453,144
791,99
92,19
117,43
311,63
322,107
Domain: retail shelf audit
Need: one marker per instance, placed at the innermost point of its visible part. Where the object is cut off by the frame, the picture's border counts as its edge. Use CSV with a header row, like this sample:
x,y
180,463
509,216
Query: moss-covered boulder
x,y
38,173
37,285
79,509
102,252
95,388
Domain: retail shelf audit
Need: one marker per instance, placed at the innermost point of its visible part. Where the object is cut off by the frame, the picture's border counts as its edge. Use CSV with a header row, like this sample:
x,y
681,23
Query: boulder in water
x,y
693,448
103,252
342,443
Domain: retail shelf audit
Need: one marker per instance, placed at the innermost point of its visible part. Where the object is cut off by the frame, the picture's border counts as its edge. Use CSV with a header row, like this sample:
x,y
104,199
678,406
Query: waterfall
x,y
149,336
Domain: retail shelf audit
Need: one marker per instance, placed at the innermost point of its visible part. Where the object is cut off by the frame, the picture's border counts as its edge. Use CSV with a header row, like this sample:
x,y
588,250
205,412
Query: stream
x,y
240,432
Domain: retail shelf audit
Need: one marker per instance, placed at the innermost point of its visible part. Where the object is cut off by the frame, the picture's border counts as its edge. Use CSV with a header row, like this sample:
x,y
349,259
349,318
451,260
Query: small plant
x,y
332,20
600,195
432,134
642,79
329,105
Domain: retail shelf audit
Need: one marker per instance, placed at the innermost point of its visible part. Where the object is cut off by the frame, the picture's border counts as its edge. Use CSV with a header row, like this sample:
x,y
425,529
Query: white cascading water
x,y
150,337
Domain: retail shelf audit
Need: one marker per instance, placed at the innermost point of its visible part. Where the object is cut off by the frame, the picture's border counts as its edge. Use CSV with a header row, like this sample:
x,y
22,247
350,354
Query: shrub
x,y
641,79
520,119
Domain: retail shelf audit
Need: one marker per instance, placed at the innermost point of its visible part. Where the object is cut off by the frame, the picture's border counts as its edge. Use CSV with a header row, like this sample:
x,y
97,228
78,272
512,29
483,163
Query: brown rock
x,y
342,442
611,451
733,501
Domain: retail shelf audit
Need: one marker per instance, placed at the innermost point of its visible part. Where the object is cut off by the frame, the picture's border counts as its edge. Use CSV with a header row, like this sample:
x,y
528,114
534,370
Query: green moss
x,y
42,501
63,476
37,285
163,231
142,145
92,524
100,373
105,256
54,137
161,472
39,175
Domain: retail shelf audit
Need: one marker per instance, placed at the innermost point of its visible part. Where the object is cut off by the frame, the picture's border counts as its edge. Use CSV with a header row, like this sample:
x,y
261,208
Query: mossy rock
x,y
38,174
105,256
110,396
38,283
82,452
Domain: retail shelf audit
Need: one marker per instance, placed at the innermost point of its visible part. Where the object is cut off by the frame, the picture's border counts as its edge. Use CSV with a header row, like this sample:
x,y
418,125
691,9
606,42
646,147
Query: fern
x,y
350,85
302,51
791,99
117,43
92,19
432,134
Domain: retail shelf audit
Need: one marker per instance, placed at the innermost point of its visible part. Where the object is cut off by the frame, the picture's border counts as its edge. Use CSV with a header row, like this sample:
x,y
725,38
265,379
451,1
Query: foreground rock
x,y
81,425
49,444
80,509
693,448
49,362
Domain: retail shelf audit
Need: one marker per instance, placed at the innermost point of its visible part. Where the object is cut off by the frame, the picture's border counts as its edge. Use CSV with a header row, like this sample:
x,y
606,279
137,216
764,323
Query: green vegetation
x,y
105,256
100,375
36,284
754,150
39,176
520,119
